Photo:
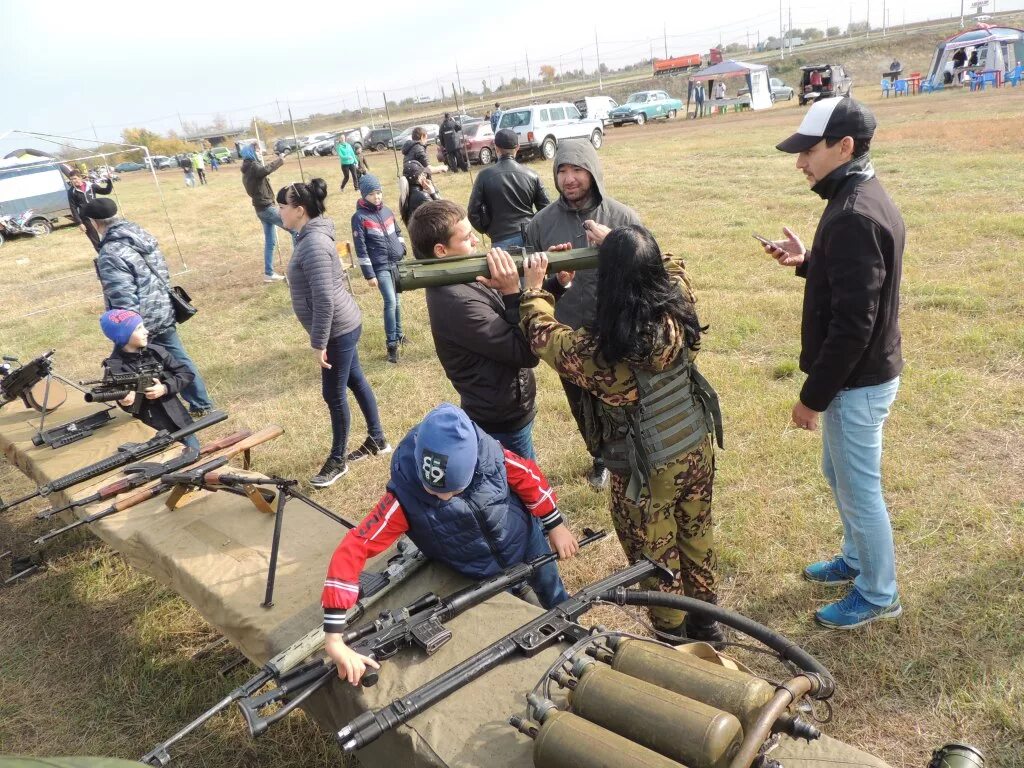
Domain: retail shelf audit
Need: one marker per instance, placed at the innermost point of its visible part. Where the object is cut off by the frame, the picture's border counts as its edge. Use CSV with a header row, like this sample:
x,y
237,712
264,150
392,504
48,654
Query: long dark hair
x,y
635,296
310,196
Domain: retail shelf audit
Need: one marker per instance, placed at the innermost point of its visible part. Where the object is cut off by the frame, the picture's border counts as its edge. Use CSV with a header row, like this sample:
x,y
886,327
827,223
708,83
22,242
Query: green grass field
x,y
96,656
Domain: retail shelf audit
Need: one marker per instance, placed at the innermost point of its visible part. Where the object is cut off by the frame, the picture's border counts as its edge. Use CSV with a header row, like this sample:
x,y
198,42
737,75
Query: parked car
x,y
158,161
780,90
127,167
379,138
643,106
285,145
223,154
542,126
479,142
357,137
310,143
597,107
833,78
399,141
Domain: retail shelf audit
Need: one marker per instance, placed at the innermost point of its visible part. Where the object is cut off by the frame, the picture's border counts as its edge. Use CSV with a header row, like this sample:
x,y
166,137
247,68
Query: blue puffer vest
x,y
478,533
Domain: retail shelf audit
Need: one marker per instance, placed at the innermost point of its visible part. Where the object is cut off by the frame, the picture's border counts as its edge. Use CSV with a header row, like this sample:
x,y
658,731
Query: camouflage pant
x,y
672,524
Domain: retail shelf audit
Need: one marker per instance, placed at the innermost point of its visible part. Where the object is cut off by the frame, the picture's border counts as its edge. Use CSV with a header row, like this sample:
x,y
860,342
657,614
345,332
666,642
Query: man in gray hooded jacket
x,y
134,276
581,198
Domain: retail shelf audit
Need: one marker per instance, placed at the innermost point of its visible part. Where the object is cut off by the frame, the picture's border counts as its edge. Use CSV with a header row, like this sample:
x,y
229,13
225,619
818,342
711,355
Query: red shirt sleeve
x,y
377,531
533,489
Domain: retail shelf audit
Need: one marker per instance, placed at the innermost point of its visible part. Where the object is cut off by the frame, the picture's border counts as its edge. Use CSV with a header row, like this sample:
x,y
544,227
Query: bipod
x,y
285,489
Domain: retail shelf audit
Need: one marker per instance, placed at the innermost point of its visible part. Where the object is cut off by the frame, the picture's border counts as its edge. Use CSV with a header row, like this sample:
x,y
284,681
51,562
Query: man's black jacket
x,y
850,331
167,412
504,198
77,198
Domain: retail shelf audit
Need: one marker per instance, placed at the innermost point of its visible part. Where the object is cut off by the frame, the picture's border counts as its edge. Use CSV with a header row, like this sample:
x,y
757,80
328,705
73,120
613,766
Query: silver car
x,y
780,90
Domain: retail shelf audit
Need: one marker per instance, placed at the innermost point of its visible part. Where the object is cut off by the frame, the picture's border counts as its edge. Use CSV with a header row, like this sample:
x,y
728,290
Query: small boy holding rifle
x,y
465,502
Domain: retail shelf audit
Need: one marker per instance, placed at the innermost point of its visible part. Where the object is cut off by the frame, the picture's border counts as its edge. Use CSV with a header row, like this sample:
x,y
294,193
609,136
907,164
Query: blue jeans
x,y
195,394
346,373
392,307
519,442
852,463
271,217
508,242
547,582
190,442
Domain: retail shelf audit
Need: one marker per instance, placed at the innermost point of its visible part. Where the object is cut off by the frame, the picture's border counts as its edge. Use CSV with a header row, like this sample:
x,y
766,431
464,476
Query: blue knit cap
x,y
368,183
446,449
119,324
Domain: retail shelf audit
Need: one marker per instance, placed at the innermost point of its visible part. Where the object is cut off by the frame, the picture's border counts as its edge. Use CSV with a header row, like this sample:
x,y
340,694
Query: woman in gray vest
x,y
649,412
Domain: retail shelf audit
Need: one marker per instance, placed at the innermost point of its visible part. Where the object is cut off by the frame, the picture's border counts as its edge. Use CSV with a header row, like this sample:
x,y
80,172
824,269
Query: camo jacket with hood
x,y
561,223
127,282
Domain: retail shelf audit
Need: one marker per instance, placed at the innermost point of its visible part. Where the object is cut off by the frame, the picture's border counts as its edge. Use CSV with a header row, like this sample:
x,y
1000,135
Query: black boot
x,y
392,353
702,629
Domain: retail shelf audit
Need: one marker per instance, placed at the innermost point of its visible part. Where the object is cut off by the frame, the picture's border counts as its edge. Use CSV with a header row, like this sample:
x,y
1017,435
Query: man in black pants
x,y
80,194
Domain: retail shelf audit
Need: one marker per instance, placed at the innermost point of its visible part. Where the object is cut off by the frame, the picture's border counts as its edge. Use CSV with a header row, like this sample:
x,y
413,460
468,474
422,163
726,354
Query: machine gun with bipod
x,y
19,382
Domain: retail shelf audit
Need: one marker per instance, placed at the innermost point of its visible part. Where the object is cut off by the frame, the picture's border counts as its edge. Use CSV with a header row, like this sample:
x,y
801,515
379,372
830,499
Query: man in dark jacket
x,y
850,347
476,330
80,194
416,148
581,199
134,276
450,135
505,195
257,186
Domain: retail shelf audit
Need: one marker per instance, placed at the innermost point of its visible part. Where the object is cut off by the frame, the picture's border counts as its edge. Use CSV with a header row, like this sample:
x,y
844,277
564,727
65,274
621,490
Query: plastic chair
x,y
886,86
1013,76
900,86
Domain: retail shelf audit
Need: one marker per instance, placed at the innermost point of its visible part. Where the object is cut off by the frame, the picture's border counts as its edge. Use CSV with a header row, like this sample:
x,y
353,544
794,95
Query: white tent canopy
x,y
998,48
755,75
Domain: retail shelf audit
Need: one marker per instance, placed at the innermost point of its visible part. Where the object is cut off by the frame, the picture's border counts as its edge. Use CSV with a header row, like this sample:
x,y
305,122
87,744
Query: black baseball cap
x,y
100,208
506,138
831,119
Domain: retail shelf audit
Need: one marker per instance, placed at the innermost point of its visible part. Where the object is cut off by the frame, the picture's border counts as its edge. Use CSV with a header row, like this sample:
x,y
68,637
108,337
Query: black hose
x,y
782,645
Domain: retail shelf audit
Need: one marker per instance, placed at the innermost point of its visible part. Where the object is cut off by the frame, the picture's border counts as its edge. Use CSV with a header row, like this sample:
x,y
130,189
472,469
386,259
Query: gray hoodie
x,y
127,259
561,223
319,297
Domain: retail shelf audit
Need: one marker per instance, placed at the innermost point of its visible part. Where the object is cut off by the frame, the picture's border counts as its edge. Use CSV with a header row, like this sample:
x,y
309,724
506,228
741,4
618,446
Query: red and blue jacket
x,y
376,234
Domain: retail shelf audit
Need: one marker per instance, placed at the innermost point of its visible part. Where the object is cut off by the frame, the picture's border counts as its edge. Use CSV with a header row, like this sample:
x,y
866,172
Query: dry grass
x,y
96,656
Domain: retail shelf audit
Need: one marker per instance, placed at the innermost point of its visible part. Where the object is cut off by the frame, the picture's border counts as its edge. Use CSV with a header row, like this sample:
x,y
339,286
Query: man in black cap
x,y
850,347
134,276
505,195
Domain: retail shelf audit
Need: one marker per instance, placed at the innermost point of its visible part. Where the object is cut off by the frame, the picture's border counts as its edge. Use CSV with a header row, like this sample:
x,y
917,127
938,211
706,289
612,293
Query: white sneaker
x,y
274,278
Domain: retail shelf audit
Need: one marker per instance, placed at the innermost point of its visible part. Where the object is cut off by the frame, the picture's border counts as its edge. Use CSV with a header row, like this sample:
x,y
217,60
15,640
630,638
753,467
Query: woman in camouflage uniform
x,y
650,412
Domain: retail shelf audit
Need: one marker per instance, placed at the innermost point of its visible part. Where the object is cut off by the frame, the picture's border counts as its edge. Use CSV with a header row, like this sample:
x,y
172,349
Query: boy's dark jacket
x,y
167,412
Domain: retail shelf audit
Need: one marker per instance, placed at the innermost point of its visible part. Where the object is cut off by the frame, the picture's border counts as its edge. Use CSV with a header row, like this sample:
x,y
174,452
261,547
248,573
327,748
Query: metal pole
x,y
259,141
529,74
664,34
298,151
394,149
961,14
790,29
782,38
867,33
597,47
883,18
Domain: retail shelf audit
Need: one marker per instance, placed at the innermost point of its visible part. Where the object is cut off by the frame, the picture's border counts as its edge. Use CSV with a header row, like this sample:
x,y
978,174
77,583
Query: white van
x,y
542,126
596,107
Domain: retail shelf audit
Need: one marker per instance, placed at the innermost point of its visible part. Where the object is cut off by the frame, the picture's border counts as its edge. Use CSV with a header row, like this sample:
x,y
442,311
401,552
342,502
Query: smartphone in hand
x,y
764,240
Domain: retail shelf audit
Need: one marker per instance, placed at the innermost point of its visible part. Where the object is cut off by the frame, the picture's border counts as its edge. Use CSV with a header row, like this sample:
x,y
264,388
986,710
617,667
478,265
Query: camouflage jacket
x,y
574,353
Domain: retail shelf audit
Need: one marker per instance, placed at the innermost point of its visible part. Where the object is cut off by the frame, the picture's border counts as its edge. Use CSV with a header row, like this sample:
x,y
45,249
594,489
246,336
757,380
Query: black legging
x,y
350,171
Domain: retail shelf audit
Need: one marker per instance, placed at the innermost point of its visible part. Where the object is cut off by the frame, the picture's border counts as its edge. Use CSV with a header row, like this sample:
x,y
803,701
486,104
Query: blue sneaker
x,y
854,611
834,571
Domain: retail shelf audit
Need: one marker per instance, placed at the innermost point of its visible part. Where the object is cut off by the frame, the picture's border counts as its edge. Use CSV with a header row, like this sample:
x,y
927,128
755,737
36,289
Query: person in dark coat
x,y
416,148
331,317
132,351
421,189
451,130
80,194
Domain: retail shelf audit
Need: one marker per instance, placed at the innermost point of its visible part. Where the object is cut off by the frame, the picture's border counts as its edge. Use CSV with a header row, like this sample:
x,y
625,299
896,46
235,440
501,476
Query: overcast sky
x,y
69,66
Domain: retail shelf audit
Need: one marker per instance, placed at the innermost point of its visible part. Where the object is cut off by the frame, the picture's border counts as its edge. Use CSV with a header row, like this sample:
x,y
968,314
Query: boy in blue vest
x,y
465,502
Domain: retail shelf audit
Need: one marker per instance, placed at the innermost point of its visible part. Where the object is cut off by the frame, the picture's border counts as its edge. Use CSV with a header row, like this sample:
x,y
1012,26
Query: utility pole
x,y
96,135
280,117
782,38
884,24
600,81
867,33
790,29
529,74
664,32
961,14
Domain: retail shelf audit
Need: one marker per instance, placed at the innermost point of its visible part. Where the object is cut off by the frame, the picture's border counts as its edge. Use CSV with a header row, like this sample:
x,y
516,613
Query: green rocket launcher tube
x,y
458,270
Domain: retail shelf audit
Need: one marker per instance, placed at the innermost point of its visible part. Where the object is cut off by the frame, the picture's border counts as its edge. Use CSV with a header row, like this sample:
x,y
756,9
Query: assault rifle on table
x,y
117,386
140,474
129,453
167,481
420,623
456,270
72,431
372,587
18,382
